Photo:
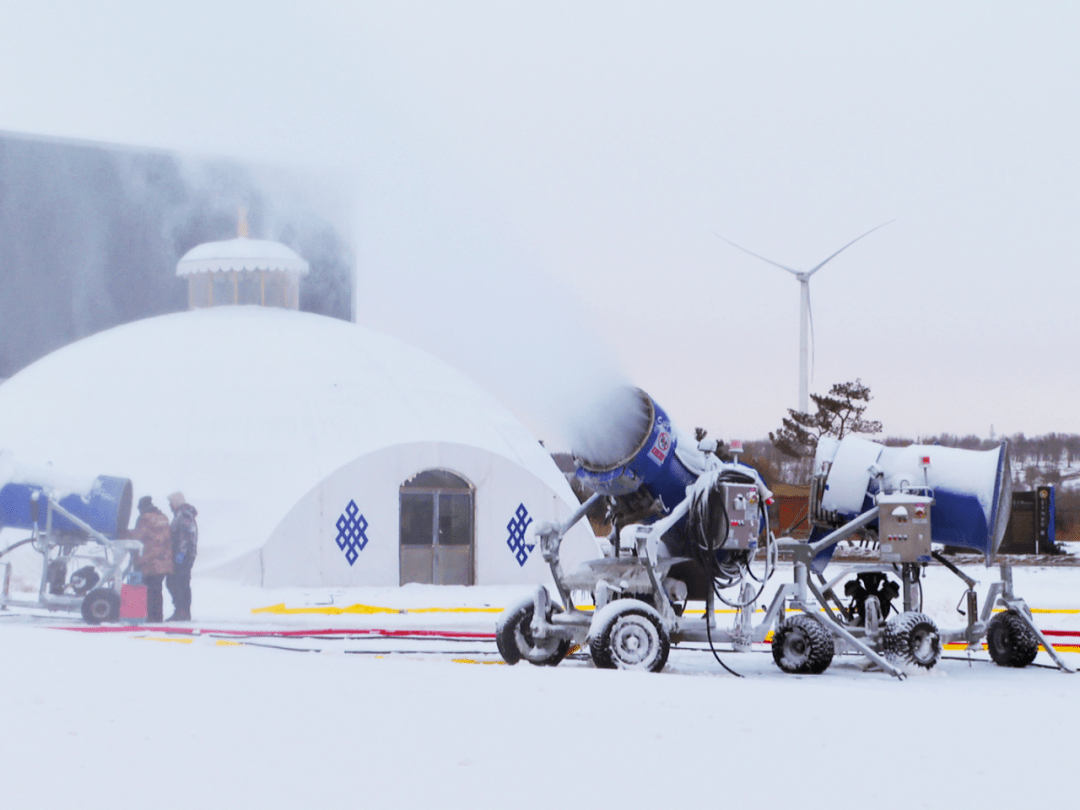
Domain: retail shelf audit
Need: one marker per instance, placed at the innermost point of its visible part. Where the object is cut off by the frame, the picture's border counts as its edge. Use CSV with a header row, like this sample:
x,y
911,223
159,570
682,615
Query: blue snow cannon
x,y
972,489
105,505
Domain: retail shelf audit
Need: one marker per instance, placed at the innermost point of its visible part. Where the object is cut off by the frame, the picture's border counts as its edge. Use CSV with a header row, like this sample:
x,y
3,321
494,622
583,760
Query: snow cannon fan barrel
x,y
972,489
104,504
637,450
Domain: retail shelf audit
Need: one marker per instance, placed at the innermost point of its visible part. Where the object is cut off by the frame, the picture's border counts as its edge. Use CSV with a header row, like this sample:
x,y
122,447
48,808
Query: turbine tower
x,y
806,319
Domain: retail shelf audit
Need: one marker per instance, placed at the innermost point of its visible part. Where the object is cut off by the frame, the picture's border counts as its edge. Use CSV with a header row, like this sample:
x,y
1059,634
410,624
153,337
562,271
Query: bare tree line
x,y
1045,459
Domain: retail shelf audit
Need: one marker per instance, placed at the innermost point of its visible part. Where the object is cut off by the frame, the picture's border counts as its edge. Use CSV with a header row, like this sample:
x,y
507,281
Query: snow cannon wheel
x,y
629,636
1010,641
514,638
802,646
912,639
101,605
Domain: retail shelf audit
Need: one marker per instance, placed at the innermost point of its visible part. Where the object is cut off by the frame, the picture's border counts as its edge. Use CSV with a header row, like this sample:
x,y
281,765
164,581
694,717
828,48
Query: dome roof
x,y
240,254
245,409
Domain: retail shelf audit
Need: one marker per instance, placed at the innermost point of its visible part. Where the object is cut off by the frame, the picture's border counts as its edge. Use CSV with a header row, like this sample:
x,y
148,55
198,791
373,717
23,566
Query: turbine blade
x,y
744,250
845,247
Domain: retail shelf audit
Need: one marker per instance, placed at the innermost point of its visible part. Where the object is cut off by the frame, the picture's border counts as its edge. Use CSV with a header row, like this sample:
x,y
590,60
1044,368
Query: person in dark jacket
x,y
185,543
156,561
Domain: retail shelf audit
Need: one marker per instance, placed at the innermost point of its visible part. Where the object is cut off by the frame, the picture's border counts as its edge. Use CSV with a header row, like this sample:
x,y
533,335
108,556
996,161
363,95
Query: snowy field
x,y
214,714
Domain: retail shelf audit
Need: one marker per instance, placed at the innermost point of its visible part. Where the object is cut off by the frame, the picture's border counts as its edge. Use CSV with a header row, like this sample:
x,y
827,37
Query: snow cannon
x,y
686,526
77,525
103,504
971,489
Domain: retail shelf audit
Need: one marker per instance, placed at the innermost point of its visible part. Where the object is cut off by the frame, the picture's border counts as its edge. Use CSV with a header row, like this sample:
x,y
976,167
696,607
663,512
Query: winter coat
x,y
152,530
185,536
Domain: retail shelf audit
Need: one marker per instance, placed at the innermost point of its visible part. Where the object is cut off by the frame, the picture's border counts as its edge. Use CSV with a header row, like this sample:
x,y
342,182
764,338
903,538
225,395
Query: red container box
x,y
133,603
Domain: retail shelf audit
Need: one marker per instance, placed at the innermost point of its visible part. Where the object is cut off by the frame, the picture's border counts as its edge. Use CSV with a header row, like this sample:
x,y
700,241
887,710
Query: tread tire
x,y
912,640
1010,641
802,646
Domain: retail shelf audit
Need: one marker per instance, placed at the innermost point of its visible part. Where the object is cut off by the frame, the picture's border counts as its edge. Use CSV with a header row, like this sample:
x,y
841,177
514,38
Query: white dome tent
x,y
318,452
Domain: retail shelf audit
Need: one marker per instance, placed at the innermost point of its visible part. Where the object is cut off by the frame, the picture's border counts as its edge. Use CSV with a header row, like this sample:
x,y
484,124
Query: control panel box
x,y
904,527
743,505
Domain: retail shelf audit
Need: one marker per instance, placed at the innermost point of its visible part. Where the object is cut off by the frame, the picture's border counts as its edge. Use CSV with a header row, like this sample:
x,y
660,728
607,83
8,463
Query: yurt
x,y
318,452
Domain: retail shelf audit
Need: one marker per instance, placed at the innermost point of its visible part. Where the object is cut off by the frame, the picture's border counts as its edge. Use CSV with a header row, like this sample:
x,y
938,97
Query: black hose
x,y
16,545
711,568
712,647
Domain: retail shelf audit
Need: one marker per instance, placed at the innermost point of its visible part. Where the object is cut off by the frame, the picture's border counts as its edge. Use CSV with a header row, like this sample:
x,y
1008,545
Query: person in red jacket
x,y
156,561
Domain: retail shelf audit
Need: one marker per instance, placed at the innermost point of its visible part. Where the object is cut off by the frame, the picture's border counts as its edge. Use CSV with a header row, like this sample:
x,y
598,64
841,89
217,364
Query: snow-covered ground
x,y
216,715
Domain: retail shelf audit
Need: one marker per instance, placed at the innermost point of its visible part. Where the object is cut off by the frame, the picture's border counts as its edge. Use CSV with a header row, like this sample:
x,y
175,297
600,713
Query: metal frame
x,y
113,559
606,578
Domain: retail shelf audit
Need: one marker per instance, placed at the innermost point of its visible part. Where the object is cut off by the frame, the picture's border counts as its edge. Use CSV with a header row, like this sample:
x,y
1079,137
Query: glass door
x,y
437,529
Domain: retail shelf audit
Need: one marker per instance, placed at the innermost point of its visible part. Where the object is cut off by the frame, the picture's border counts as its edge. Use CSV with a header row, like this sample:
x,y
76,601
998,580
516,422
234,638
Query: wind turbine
x,y
805,316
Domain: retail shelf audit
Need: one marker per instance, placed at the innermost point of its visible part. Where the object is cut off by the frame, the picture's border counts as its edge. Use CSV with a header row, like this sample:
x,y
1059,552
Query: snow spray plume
x,y
440,271
101,226
305,208
610,426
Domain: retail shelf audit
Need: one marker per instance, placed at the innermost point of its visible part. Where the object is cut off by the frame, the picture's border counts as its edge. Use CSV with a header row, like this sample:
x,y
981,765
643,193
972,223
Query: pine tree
x,y
839,413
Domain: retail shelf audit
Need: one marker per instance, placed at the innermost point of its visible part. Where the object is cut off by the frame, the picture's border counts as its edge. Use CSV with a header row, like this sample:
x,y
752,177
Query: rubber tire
x,y
912,640
617,644
101,605
1010,641
802,646
513,637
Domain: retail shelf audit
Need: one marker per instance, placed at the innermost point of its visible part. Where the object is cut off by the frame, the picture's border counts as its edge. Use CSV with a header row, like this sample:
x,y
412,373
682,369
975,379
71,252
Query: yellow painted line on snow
x,y
474,661
173,640
1069,648
329,610
225,643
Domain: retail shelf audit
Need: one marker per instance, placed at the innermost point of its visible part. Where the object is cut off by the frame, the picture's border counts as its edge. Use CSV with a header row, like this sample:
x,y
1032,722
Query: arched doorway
x,y
436,519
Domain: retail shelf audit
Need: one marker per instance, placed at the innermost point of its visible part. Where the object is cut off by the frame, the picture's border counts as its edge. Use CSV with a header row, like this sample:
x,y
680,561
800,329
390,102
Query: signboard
x,y
1044,520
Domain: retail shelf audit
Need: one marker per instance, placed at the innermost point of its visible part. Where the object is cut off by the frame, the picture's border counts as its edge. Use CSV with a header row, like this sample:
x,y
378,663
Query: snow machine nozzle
x,y
640,450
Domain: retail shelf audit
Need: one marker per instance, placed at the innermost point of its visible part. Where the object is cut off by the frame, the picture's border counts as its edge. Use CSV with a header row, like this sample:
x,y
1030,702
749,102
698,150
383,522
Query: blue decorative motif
x,y
351,537
517,526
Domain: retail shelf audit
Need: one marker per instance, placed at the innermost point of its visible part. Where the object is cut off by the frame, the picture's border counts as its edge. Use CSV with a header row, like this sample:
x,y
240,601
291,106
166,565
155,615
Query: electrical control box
x,y
904,527
743,505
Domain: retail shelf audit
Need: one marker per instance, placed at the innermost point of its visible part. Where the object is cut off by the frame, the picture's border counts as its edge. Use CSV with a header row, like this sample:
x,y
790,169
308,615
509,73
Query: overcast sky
x,y
540,183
